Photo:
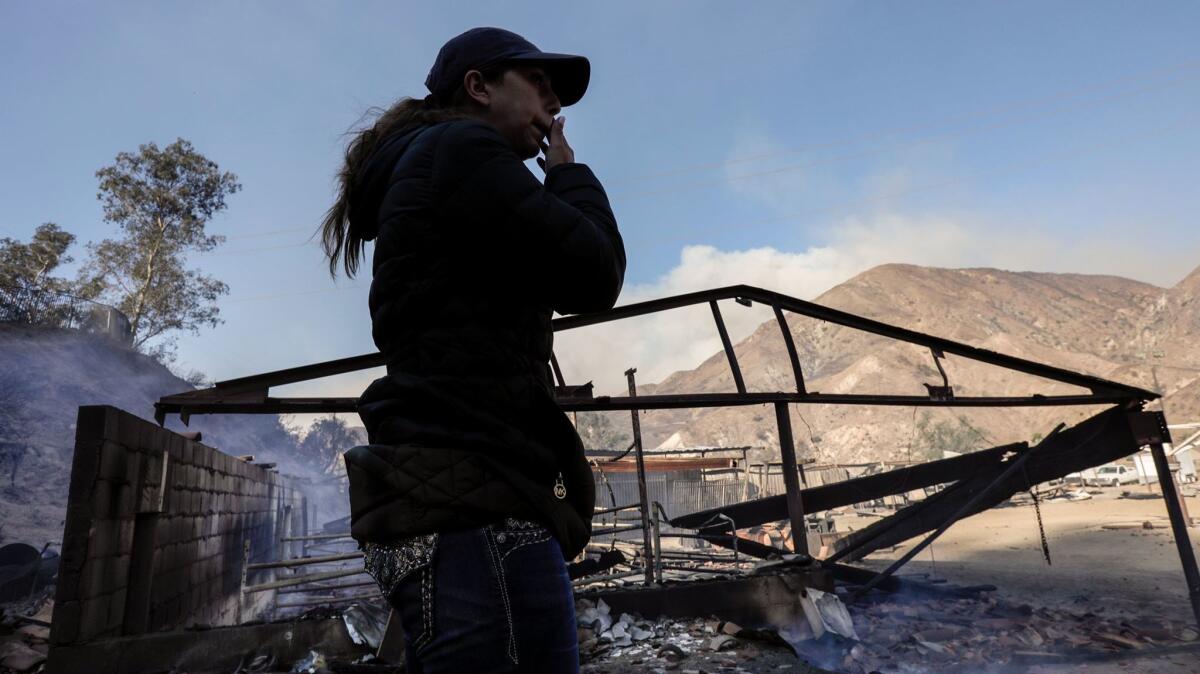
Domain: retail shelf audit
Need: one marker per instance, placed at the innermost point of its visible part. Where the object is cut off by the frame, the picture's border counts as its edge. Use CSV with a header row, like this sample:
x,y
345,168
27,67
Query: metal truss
x,y
976,481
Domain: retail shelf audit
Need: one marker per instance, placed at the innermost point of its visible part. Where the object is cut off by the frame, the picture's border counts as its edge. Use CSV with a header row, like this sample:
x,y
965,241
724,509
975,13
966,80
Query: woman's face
x,y
521,105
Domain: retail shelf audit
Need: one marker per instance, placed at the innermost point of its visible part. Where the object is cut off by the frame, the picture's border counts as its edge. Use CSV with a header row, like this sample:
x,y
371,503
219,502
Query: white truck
x,y
1112,475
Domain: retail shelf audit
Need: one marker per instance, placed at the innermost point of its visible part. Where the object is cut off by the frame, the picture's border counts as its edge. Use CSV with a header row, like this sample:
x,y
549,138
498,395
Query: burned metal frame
x,y
250,395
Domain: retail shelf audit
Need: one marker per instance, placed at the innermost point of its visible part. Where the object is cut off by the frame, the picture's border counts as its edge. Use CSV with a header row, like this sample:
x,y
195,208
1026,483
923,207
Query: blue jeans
x,y
495,599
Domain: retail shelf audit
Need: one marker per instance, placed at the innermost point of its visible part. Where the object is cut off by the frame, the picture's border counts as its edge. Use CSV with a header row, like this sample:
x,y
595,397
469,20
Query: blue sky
x,y
783,144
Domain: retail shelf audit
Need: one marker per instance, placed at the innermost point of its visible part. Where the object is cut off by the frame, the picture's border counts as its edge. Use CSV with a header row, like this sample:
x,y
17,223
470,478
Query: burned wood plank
x,y
857,490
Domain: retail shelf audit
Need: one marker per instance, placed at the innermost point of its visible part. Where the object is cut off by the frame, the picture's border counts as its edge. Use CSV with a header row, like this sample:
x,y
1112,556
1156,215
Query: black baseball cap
x,y
481,47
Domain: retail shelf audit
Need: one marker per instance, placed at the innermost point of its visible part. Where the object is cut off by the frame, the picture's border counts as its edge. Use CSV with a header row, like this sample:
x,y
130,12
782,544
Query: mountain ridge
x,y
1103,325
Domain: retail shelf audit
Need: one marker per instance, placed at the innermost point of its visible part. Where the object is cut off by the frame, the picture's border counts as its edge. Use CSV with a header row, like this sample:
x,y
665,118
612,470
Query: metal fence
x,y
33,305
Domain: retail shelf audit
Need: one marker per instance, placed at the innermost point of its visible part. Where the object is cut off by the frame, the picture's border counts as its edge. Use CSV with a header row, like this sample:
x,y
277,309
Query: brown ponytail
x,y
337,238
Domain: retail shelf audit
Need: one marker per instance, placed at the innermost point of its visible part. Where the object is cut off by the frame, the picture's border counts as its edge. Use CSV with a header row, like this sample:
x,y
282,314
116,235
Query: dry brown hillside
x,y
1107,326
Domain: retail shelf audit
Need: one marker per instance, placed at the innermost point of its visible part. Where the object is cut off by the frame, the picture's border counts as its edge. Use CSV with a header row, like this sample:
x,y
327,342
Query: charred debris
x,y
177,557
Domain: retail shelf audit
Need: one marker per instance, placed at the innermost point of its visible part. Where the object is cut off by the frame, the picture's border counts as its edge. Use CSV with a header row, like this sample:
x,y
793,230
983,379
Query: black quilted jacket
x,y
472,256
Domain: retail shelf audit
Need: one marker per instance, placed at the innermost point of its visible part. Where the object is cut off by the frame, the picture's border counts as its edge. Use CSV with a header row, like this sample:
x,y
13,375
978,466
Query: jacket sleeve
x,y
565,226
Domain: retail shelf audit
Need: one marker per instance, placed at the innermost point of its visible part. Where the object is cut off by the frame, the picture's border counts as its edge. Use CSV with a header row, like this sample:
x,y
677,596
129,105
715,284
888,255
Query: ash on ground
x,y
896,634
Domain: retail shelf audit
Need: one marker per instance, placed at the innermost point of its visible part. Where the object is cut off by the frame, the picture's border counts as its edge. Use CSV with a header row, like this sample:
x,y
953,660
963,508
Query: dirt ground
x,y
1125,569
1102,560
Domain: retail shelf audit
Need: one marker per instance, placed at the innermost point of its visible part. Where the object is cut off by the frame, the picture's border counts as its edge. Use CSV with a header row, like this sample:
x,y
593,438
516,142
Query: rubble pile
x,y
967,633
25,634
895,634
625,642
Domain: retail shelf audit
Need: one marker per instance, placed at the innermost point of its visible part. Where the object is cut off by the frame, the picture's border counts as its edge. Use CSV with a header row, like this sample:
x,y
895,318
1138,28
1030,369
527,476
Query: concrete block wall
x,y
155,530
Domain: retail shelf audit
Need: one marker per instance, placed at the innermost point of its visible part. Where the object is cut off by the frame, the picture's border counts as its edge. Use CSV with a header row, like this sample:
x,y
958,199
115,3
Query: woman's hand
x,y
558,151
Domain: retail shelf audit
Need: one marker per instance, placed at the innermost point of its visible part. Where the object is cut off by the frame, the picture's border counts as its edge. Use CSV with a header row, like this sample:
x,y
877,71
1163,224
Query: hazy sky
x,y
787,144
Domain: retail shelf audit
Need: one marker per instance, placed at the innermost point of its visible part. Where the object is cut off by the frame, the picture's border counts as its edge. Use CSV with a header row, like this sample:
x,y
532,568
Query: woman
x,y
474,487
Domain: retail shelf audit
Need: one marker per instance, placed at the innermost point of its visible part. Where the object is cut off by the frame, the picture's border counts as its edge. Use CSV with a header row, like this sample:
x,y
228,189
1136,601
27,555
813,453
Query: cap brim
x,y
569,74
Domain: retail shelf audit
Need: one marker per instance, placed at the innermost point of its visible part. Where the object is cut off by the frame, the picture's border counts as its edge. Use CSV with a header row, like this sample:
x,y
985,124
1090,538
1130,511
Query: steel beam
x,y
790,344
857,490
1095,441
643,499
991,487
1179,526
189,406
791,481
727,345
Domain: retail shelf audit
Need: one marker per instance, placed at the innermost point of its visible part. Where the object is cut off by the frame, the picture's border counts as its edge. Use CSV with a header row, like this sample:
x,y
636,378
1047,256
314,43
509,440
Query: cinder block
x,y
126,501
117,572
173,582
175,501
104,540
116,610
178,609
153,439
166,558
124,429
133,467
174,447
94,617
125,535
101,500
113,460
64,629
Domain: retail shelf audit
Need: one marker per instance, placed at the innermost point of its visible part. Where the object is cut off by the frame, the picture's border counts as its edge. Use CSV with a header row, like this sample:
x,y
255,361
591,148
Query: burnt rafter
x,y
250,395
